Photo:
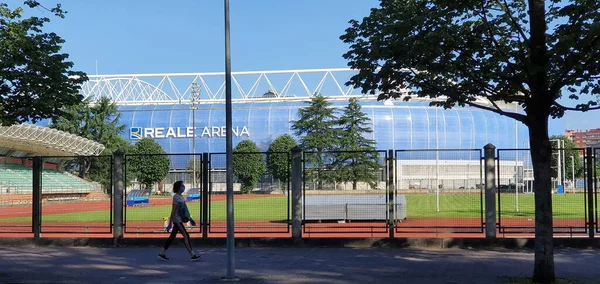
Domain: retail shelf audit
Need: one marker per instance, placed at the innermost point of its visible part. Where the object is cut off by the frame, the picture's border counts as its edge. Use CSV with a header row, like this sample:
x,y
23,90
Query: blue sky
x,y
154,36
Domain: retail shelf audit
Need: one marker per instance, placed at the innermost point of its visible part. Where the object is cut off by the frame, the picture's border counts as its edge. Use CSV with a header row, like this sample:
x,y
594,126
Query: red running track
x,y
416,228
421,228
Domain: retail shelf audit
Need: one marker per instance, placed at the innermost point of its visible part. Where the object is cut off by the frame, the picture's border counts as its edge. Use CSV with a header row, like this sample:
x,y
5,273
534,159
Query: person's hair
x,y
177,186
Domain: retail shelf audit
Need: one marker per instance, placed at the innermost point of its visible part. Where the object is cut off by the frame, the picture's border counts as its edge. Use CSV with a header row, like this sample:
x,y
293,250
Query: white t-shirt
x,y
179,203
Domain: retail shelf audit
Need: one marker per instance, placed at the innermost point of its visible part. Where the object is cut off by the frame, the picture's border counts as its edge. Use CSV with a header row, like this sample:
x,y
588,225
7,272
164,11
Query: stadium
x,y
180,110
436,155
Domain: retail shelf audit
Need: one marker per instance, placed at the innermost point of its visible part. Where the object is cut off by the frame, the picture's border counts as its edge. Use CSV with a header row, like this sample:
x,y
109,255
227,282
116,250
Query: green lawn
x,y
567,206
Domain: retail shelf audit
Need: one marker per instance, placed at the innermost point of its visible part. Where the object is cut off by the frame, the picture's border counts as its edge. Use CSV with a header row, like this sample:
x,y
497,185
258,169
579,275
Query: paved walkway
x,y
284,265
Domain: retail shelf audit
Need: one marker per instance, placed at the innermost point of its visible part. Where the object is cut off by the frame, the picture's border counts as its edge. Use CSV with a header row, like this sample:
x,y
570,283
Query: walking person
x,y
179,215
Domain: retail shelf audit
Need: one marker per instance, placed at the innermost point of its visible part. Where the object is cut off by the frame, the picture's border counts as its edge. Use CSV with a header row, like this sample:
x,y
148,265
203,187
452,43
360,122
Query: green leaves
x,y
36,80
149,162
279,157
456,51
248,164
356,159
316,129
336,148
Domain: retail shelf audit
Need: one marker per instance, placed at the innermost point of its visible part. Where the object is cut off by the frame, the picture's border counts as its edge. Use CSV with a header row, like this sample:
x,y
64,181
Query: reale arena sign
x,y
184,132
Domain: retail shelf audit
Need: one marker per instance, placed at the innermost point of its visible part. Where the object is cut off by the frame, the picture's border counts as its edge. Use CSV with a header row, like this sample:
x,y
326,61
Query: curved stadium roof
x,y
28,140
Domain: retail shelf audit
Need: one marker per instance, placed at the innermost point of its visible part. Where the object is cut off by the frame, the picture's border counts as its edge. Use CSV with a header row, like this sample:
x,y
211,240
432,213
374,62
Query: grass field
x,y
274,208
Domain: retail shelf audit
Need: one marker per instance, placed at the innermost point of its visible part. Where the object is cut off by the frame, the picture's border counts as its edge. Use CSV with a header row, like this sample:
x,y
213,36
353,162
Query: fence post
x,y
590,190
490,190
36,217
391,190
118,188
205,177
296,179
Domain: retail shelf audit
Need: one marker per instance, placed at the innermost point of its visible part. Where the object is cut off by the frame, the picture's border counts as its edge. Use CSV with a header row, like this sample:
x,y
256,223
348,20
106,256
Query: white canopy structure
x,y
25,139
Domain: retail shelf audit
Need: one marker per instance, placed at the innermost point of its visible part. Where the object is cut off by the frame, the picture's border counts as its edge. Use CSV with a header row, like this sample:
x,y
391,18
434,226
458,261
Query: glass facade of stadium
x,y
403,125
396,126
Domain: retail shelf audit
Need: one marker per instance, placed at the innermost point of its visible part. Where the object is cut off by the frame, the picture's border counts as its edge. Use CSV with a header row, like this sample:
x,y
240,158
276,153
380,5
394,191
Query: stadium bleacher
x,y
19,143
19,178
194,194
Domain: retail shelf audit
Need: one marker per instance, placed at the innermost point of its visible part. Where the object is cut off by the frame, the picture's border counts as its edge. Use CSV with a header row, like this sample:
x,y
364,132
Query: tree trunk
x,y
354,184
84,166
541,155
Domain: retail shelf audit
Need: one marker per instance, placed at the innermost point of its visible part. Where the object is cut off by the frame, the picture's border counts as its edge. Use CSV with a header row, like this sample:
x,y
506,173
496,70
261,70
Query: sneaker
x,y
163,257
195,257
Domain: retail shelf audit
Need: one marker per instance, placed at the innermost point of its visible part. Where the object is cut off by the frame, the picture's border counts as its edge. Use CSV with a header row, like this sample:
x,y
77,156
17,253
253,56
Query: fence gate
x,y
260,210
146,210
595,184
516,204
442,190
345,192
75,205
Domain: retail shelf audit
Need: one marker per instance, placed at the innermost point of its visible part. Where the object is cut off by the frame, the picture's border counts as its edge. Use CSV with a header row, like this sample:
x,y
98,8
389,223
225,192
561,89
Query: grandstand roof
x,y
26,139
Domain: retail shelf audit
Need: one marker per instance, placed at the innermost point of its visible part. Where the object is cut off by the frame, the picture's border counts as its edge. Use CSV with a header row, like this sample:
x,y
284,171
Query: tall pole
x,y
564,159
228,150
573,171
559,164
195,91
437,166
516,162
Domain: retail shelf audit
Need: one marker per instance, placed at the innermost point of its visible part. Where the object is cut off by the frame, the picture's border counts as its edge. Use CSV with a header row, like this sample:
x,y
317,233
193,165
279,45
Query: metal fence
x,y
77,195
516,204
149,189
443,190
261,201
16,193
345,192
415,193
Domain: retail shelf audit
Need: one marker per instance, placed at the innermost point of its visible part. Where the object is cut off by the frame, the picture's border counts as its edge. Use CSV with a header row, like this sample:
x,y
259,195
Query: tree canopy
x,y
98,121
248,164
316,129
36,78
482,53
149,162
356,158
279,158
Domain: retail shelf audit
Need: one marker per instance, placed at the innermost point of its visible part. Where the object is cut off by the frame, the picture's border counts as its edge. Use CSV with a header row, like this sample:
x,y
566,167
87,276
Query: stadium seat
x,y
20,178
138,197
194,194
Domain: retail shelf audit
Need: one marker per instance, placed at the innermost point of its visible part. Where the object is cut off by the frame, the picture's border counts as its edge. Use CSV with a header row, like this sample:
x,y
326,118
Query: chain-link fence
x,y
77,195
261,193
345,192
16,192
443,190
515,188
149,193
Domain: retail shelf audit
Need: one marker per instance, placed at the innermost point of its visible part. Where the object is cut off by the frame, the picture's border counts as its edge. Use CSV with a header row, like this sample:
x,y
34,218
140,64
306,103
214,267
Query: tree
x,y
568,152
248,164
532,53
316,129
356,159
198,168
98,121
149,162
100,167
279,158
36,80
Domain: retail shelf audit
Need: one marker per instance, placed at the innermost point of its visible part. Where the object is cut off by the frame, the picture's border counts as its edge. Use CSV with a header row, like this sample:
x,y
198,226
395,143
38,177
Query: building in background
x,y
163,107
582,139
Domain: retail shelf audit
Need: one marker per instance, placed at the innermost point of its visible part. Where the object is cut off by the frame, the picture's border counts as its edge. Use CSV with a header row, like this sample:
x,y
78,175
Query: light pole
x,y
525,185
559,162
228,151
194,98
573,171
